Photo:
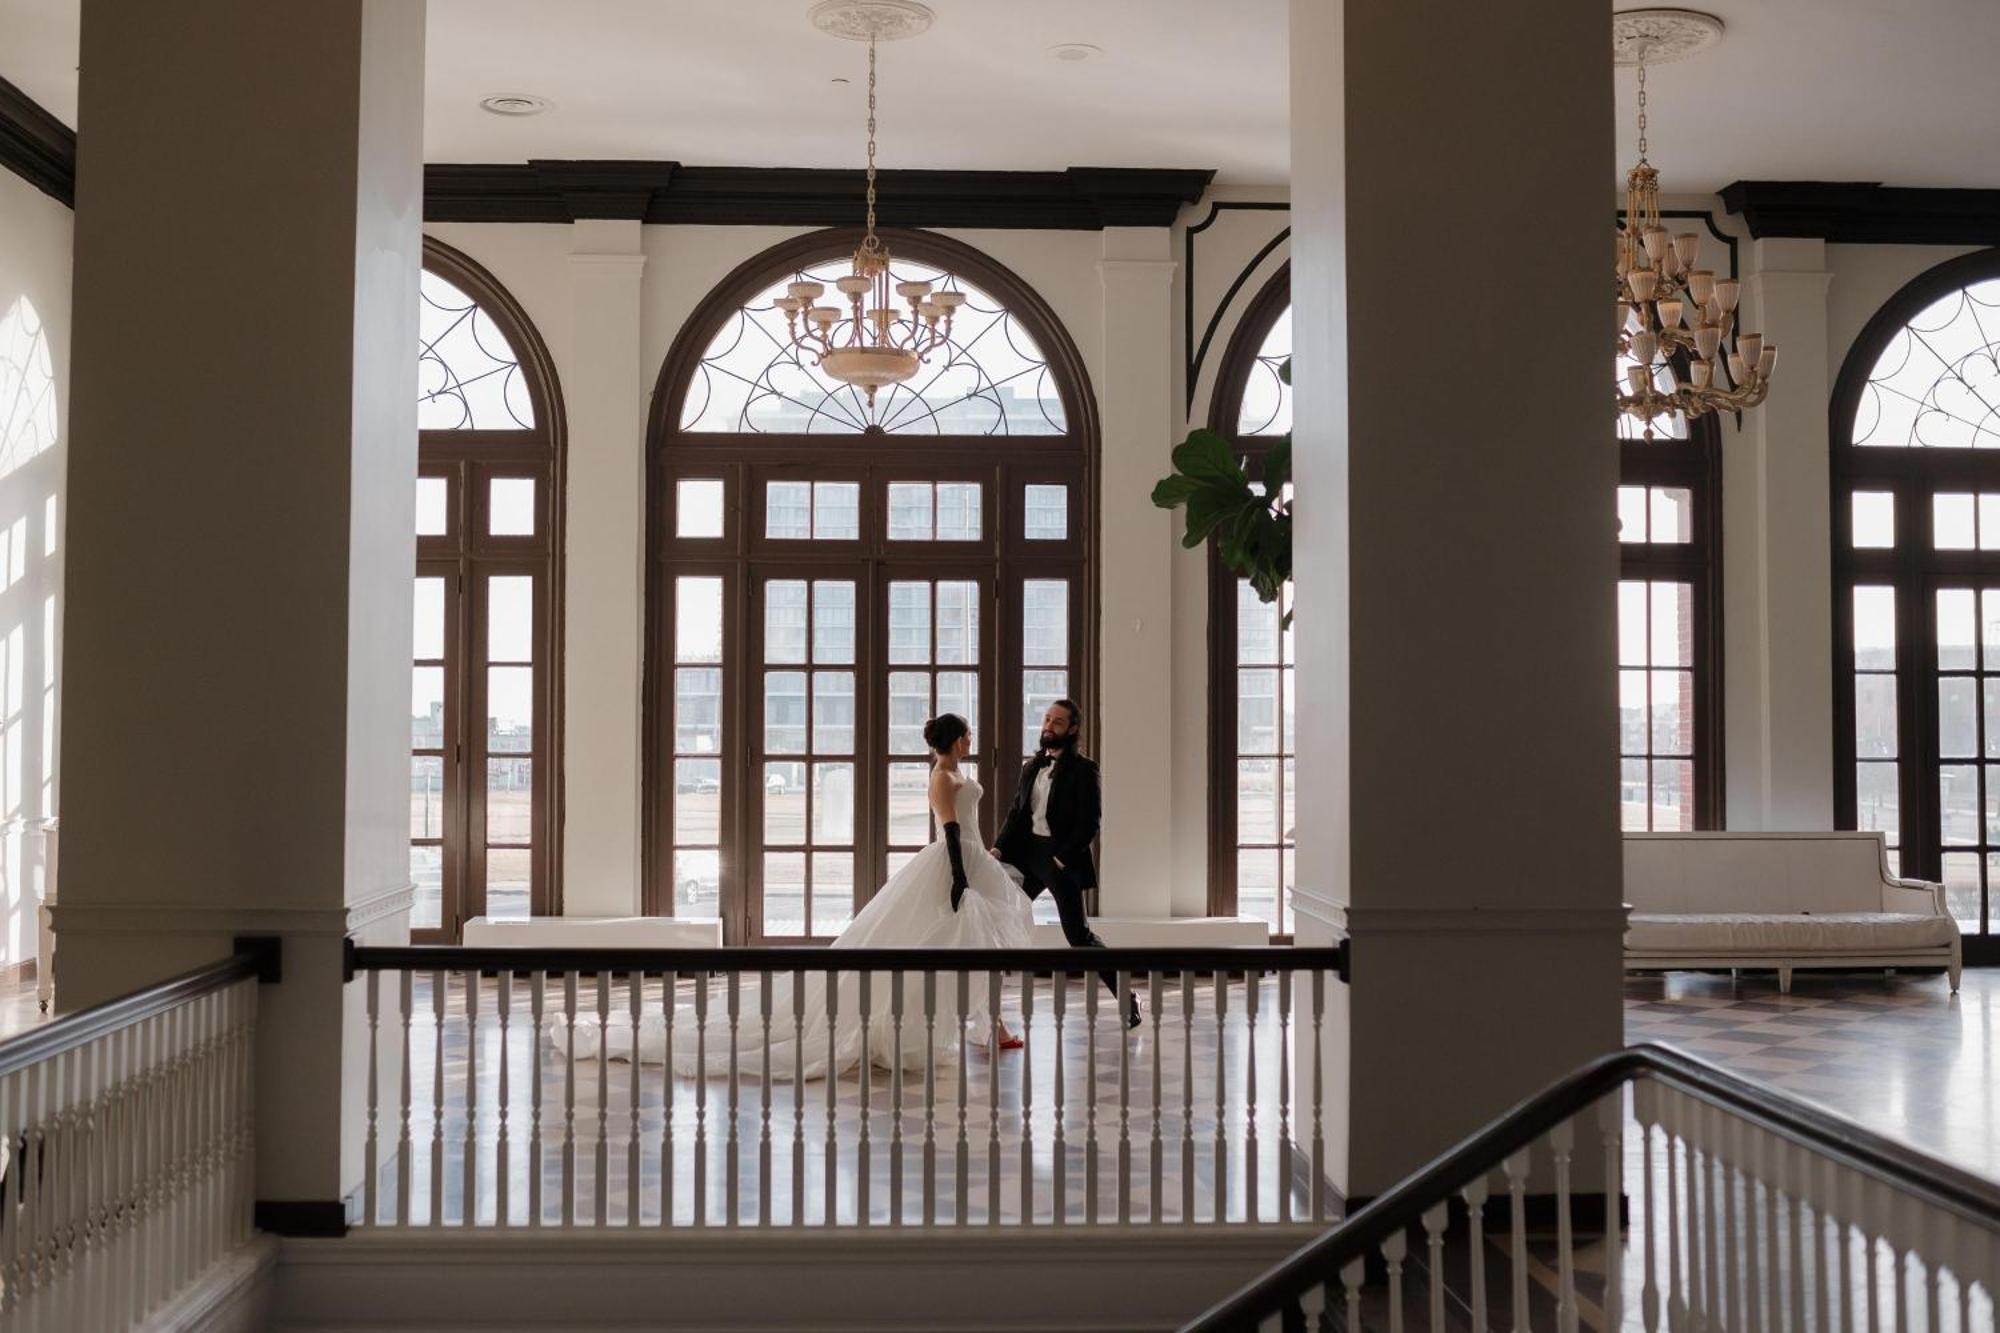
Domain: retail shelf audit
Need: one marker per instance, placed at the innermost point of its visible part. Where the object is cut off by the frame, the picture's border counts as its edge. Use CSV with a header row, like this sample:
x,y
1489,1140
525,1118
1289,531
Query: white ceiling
x,y
1903,93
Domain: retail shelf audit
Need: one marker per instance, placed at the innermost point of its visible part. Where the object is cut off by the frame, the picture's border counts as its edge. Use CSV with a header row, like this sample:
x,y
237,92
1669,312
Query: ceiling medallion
x,y
1678,346
870,343
1658,36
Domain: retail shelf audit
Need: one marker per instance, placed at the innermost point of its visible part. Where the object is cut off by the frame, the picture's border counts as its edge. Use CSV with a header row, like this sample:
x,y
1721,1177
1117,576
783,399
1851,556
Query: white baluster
x,y
1187,1098
371,1157
832,1163
1350,1282
440,994
538,989
602,1155
1219,1207
568,1201
698,1195
1515,1168
1319,1199
1027,1098
733,1158
1435,1219
962,1158
1939,1240
1285,982
993,1099
1611,1133
404,1146
1670,1118
1475,1195
1251,982
1124,1099
864,1168
469,1191
1562,1140
1157,1164
1394,1250
896,1104
635,1008
1744,1147
669,987
1090,1162
798,1100
1058,1106
503,1148
764,1002
929,1213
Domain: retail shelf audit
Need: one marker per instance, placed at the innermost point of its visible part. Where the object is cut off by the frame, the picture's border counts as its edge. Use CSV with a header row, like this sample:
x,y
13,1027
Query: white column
x,y
604,564
1135,544
1776,563
1456,561
242,512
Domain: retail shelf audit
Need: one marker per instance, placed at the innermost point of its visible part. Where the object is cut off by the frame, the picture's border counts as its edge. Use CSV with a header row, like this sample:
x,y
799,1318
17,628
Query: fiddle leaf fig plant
x,y
1250,521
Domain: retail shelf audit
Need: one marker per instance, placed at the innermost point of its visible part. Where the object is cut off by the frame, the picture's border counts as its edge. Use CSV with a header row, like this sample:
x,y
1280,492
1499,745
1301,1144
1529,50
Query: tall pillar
x,y
1777,604
606,393
1456,560
1136,647
241,485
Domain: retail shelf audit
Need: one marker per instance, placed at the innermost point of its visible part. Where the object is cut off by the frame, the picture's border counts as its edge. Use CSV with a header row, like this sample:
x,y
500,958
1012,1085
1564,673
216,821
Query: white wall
x,y
35,234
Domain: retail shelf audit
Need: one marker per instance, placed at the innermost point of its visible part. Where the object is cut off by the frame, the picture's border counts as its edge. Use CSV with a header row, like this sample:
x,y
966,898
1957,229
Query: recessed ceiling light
x,y
1075,51
516,104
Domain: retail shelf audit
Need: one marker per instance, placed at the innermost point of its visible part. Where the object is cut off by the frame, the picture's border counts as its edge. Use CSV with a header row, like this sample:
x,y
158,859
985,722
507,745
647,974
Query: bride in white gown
x,y
952,895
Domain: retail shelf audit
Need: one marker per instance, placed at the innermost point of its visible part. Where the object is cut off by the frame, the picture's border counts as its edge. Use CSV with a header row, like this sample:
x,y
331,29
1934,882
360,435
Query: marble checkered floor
x,y
1900,1054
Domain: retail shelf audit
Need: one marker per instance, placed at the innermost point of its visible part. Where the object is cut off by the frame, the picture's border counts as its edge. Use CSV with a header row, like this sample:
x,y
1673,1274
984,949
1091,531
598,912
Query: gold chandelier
x,y
1678,343
869,343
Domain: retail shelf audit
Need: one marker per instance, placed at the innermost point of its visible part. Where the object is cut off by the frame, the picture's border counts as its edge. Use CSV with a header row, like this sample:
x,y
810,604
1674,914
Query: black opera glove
x,y
959,883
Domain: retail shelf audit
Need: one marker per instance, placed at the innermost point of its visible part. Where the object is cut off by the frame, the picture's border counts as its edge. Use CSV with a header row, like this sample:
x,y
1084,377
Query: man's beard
x,y
1059,744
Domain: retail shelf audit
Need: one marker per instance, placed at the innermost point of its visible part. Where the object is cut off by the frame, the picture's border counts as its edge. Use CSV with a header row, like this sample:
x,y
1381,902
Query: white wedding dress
x,y
912,911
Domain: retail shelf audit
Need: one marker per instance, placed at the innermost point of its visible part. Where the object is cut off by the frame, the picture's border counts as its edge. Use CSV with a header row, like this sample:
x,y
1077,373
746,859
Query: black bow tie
x,y
1041,761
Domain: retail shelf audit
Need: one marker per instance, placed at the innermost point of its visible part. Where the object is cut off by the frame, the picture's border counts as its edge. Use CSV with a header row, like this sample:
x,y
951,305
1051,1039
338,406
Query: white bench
x,y
1779,900
594,932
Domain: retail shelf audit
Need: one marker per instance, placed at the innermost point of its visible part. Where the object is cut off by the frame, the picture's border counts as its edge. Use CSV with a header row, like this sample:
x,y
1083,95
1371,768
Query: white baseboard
x,y
234,1296
1004,1280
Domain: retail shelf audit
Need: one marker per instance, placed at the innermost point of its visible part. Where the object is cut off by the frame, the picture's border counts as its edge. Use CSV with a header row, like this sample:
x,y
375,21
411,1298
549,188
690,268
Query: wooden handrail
x,y
253,959
795,958
1897,1165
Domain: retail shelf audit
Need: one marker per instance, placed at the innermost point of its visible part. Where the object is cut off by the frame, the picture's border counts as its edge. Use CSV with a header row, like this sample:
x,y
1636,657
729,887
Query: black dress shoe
x,y
1132,1015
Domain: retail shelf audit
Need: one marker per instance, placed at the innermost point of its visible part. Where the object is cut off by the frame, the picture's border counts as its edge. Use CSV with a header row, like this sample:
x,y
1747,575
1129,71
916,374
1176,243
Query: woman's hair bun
x,y
944,731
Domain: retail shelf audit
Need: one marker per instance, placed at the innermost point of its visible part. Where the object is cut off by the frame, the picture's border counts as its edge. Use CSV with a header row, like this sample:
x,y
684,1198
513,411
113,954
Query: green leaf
x,y
1205,456
1208,509
1285,370
1175,491
1278,467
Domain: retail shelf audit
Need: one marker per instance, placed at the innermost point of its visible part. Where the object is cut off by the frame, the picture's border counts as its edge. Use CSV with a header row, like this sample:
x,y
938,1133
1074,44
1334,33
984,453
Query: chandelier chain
x,y
1642,104
871,137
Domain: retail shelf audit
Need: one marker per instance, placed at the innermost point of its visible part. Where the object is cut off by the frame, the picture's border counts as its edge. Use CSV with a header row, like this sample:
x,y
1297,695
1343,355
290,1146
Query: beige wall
x,y
34,456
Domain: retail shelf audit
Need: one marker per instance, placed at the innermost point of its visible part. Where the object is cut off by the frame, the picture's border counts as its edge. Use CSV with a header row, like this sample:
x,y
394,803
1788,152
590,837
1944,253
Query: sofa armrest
x,y
1914,895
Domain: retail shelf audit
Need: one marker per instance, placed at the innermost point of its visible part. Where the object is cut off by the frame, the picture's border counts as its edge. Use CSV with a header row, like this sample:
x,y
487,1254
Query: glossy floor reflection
x,y
1900,1054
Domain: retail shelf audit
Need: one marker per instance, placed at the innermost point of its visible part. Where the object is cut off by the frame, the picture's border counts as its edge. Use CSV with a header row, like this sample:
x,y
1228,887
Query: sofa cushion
x,y
1788,933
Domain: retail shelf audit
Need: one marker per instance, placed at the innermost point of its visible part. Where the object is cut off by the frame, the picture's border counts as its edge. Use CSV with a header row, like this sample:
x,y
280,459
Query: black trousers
x,y
1067,890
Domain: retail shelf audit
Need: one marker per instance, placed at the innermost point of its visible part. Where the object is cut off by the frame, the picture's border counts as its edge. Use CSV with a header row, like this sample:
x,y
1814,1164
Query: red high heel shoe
x,y
1012,1042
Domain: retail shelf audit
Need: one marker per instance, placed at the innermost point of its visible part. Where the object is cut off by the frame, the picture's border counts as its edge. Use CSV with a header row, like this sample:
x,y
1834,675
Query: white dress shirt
x,y
1038,801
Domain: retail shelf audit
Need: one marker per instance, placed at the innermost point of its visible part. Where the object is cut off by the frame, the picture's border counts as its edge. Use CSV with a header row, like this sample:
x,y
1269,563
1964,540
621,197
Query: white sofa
x,y
1779,900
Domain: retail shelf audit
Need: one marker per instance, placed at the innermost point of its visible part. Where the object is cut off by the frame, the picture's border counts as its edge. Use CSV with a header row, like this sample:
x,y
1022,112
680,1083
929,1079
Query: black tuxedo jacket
x,y
1076,808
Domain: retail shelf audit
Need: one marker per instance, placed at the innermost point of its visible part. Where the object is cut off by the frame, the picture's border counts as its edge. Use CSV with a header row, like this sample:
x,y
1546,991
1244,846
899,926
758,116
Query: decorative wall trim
x,y
1866,214
35,146
1197,353
1078,199
209,919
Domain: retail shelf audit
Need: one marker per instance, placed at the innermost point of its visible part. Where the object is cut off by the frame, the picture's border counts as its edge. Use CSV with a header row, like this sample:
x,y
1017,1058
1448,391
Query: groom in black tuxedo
x,y
1057,809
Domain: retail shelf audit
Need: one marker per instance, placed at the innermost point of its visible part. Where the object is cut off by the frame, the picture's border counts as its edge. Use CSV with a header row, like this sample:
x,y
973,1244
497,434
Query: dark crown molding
x,y
35,146
1866,214
1079,199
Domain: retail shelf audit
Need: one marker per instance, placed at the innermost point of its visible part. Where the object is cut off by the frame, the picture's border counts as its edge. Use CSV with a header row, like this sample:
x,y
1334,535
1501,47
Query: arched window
x,y
1252,804
1916,523
825,576
487,663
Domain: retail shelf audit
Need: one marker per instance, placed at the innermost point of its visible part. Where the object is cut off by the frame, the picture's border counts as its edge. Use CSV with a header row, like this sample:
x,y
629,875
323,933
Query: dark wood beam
x,y
1860,213
35,146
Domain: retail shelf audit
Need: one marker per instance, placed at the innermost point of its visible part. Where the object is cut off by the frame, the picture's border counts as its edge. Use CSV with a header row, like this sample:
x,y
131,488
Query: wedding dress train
x,y
912,910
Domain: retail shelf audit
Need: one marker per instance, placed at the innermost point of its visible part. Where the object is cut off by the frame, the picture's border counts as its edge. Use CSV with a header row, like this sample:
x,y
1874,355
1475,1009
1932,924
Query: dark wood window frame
x,y
1002,558
1912,476
1693,464
465,555
1225,410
